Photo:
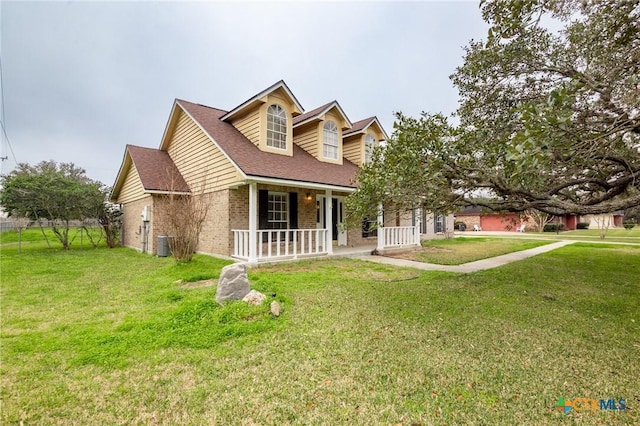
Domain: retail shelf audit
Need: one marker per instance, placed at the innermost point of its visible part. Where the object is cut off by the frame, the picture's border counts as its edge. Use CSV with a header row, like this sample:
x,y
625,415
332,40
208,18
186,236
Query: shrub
x,y
553,227
628,225
582,225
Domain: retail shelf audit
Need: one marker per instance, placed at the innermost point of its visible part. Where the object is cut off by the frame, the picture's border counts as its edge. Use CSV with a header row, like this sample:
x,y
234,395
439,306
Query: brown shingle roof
x,y
317,112
252,161
310,114
157,170
472,210
358,126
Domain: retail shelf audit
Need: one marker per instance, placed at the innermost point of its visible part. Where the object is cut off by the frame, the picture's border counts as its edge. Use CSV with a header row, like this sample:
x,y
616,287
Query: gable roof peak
x,y
361,126
320,111
257,98
156,170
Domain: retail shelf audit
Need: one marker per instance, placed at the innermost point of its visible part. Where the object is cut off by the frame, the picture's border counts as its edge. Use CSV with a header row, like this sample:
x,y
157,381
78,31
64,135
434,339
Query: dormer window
x,y
369,144
276,127
330,140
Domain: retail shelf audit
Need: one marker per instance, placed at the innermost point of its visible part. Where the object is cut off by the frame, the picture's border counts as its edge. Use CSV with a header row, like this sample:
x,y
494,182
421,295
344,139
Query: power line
x,y
4,130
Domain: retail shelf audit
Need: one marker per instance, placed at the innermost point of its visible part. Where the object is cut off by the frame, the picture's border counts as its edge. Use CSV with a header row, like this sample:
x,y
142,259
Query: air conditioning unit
x,y
146,214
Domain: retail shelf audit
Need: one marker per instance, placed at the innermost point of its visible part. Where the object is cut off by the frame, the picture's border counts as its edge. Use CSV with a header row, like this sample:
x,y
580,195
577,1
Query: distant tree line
x,y
60,193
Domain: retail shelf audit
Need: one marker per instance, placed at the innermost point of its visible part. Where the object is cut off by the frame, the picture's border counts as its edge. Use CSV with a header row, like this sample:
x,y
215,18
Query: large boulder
x,y
233,283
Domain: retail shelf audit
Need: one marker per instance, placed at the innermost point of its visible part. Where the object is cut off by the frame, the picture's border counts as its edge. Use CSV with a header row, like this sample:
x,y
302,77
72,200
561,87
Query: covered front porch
x,y
276,209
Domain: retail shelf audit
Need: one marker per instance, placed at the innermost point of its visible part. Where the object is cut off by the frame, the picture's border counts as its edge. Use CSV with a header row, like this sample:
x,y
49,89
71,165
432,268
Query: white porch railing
x,y
280,243
398,236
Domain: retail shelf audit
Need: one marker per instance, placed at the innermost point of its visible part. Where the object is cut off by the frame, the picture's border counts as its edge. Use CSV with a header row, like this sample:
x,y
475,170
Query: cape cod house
x,y
277,178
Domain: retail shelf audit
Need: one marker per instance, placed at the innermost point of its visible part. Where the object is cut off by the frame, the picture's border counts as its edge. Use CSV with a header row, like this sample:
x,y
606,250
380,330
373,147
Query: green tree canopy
x,y
57,192
549,117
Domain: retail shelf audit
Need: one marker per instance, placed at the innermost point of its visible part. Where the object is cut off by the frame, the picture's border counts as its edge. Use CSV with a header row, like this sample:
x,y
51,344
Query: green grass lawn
x,y
461,250
619,235
108,337
77,236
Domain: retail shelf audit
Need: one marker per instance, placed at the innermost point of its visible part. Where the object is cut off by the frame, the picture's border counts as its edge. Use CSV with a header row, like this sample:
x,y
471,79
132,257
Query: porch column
x,y
381,241
328,219
416,235
417,223
253,228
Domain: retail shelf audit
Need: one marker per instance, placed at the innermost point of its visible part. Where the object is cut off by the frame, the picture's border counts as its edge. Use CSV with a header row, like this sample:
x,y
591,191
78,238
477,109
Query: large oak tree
x,y
549,118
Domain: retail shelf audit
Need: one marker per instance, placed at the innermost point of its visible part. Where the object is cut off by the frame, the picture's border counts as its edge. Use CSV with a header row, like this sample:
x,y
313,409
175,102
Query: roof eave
x,y
298,184
325,110
364,129
166,192
170,124
117,185
259,96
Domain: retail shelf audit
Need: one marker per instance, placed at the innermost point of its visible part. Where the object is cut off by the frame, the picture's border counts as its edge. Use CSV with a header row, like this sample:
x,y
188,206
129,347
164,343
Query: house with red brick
x,y
475,217
276,177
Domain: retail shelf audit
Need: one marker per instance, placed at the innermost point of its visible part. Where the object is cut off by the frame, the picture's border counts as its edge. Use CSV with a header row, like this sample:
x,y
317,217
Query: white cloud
x,y
81,80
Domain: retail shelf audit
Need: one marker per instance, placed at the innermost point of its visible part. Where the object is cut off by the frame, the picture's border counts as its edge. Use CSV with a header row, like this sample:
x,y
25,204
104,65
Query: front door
x,y
337,218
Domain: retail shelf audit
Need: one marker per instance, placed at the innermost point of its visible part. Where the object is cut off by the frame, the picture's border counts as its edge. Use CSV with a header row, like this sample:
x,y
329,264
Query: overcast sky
x,y
83,79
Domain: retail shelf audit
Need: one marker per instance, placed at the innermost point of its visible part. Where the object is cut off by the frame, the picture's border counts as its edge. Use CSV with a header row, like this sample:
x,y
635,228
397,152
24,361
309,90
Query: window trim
x,y
369,145
439,221
272,212
277,116
326,135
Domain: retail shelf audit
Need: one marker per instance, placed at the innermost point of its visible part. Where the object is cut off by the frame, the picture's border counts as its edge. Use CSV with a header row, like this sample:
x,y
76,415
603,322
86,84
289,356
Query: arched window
x,y
369,144
276,127
330,140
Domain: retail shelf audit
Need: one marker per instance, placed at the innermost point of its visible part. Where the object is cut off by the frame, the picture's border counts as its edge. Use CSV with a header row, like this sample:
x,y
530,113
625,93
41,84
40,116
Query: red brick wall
x,y
499,222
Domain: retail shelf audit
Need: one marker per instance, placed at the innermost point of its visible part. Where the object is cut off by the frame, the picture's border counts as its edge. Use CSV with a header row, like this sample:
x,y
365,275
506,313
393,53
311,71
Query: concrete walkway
x,y
478,265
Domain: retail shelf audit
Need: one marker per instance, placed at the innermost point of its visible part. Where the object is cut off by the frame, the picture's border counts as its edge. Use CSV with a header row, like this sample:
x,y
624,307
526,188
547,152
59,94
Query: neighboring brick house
x,y
474,217
496,221
278,178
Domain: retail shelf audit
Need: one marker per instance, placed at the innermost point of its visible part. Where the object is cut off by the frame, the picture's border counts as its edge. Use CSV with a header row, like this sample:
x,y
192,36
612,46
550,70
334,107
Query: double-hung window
x,y
330,140
278,210
276,127
369,144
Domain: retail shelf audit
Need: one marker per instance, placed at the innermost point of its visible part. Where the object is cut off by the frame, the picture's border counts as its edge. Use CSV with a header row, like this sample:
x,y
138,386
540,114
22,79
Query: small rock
x,y
275,308
254,298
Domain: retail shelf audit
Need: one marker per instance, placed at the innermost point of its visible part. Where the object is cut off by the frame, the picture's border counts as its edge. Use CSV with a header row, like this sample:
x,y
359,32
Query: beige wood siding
x,y
306,137
376,133
277,98
132,189
249,125
352,149
280,96
198,159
